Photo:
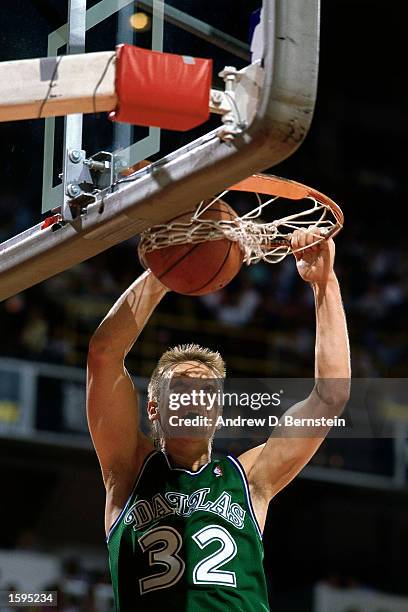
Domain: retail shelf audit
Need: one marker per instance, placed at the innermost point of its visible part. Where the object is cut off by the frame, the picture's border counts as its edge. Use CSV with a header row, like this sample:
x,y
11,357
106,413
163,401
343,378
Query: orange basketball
x,y
198,268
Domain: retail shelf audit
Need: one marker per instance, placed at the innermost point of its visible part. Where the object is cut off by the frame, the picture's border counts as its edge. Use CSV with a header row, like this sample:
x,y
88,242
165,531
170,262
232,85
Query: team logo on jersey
x,y
218,471
145,511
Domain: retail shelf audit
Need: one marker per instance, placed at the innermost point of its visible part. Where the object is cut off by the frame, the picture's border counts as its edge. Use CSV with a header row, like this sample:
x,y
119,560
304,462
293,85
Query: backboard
x,y
187,166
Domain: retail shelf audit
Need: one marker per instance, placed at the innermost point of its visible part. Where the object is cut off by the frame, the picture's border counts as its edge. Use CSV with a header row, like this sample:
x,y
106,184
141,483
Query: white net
x,y
259,241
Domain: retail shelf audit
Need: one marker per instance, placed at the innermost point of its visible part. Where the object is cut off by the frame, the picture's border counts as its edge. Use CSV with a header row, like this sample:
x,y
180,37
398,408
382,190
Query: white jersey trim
x,y
240,469
144,464
183,469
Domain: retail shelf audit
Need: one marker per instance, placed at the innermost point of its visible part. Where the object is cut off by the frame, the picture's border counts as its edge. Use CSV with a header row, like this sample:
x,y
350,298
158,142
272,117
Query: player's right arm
x,y
112,400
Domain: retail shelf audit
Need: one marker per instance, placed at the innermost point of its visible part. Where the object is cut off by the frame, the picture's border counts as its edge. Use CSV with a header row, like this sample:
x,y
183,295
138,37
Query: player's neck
x,y
188,454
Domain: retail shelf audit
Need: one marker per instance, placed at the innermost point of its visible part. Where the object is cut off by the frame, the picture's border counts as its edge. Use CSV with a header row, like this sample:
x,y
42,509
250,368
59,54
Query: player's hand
x,y
315,263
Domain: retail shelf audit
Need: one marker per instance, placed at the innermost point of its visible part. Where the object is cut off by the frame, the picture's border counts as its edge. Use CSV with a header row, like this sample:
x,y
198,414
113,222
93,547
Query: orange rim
x,y
268,184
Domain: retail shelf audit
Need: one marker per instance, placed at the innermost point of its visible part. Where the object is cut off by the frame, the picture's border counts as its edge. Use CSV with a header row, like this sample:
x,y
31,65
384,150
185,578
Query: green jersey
x,y
188,541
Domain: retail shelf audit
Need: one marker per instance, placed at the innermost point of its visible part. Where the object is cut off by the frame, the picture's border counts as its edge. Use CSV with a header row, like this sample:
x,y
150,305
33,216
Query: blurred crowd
x,y
78,587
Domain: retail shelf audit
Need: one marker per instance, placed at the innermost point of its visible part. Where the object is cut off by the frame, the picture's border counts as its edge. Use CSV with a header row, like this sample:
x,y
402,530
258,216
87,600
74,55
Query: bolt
x,y
100,166
228,73
75,156
73,190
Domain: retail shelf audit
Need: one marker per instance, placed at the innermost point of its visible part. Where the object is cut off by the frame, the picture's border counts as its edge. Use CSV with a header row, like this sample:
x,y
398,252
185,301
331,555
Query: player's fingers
x,y
294,240
302,240
309,238
313,233
313,238
323,242
294,243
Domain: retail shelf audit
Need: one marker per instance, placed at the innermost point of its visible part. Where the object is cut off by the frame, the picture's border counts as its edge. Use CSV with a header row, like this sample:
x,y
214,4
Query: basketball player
x,y
184,529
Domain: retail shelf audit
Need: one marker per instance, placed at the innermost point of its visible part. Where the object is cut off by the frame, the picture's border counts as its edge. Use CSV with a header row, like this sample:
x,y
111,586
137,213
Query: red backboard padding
x,y
161,89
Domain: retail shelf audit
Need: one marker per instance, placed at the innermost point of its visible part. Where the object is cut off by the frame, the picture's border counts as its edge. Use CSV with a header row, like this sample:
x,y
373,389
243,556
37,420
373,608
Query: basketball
x,y
198,268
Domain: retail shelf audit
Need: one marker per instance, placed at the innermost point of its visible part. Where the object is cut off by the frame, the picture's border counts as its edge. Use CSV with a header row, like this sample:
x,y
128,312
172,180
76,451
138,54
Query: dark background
x,y
263,322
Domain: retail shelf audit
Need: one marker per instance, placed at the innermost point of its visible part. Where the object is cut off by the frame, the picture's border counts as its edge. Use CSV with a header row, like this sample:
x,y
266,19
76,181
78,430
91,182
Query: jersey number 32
x,y
163,544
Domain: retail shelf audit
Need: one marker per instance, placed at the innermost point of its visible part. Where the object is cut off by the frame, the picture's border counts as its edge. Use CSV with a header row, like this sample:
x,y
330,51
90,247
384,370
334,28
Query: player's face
x,y
189,403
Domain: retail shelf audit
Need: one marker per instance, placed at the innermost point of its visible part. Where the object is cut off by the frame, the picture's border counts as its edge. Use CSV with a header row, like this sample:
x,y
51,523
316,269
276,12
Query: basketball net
x,y
270,242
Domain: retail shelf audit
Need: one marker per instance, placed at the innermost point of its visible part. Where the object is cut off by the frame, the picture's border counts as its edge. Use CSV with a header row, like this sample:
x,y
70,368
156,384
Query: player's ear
x,y
152,410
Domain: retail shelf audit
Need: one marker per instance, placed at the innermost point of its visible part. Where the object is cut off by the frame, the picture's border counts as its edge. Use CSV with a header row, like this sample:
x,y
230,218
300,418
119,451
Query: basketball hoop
x,y
270,242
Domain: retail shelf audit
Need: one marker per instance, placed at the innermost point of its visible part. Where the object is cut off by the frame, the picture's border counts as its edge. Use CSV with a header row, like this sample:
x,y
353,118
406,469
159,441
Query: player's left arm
x,y
271,466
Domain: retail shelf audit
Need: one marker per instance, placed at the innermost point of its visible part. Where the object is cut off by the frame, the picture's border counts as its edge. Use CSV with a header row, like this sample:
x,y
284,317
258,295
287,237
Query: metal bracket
x,y
76,179
241,98
231,120
85,178
102,168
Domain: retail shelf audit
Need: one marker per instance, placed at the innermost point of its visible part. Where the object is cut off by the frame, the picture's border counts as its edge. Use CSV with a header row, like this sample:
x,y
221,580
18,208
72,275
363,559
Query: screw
x,y
73,190
75,156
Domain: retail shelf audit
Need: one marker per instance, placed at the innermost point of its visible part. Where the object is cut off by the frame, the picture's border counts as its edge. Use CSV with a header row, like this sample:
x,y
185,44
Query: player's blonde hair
x,y
172,357
181,354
